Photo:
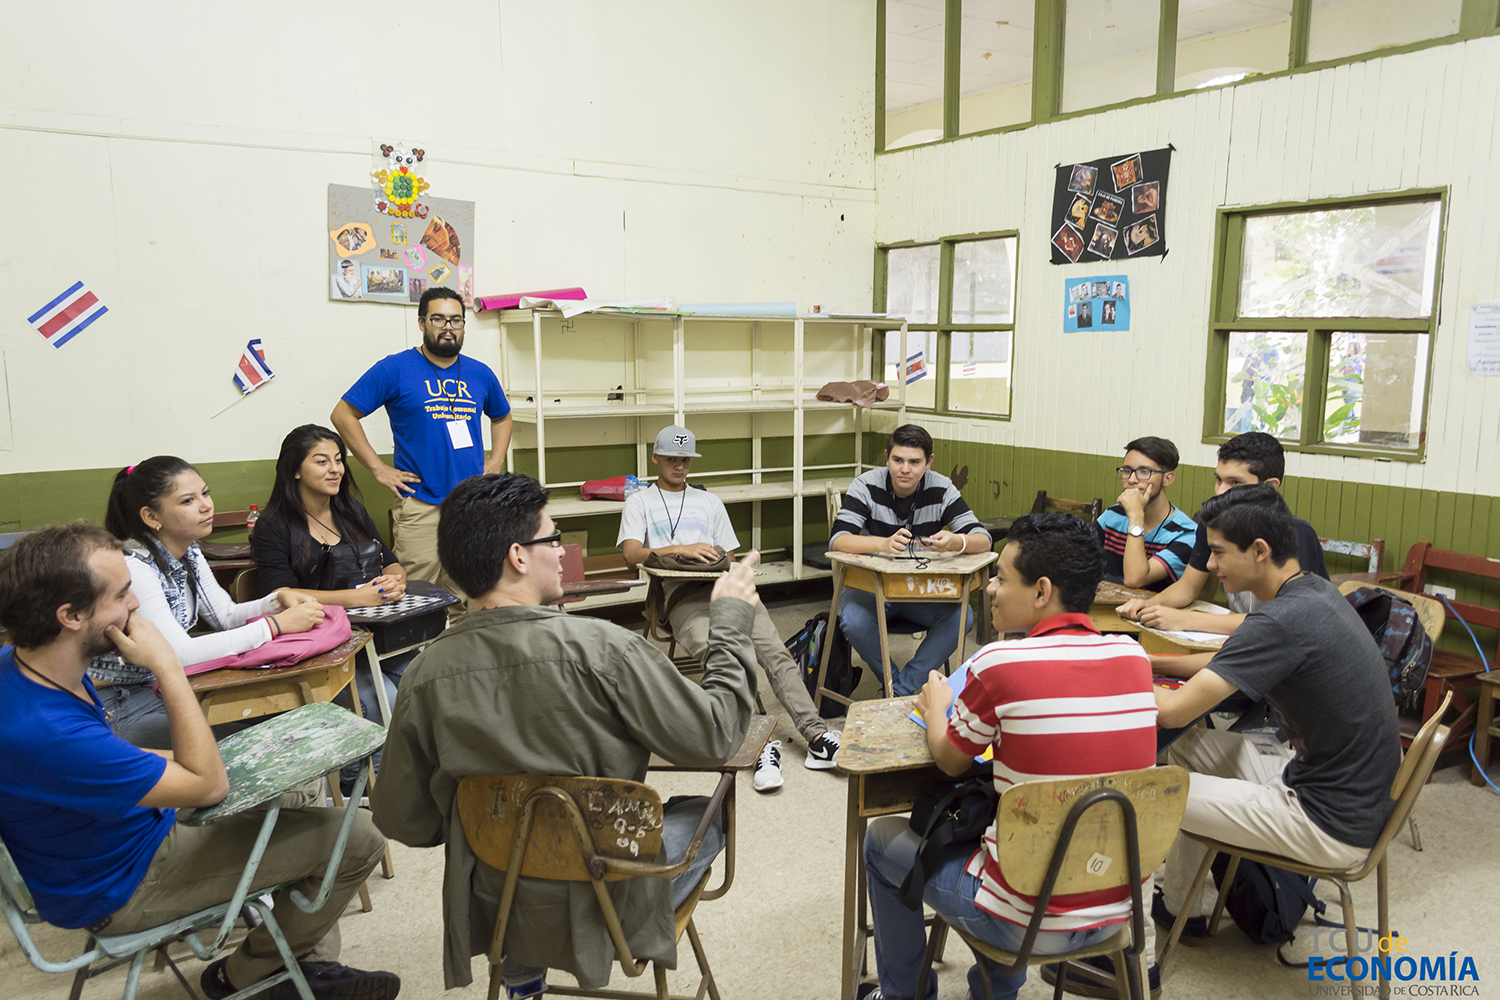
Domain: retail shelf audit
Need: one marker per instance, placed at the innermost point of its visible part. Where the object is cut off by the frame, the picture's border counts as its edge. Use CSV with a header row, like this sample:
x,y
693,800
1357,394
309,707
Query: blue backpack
x,y
1396,629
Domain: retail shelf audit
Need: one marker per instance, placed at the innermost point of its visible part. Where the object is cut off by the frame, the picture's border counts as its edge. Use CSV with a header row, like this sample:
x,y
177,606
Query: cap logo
x,y
679,439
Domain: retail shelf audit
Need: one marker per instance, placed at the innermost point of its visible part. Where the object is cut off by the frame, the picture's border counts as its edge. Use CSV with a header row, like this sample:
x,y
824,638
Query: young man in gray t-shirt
x,y
1309,656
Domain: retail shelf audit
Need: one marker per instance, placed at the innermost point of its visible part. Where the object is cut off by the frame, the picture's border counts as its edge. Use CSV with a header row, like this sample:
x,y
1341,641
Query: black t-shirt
x,y
287,555
1309,550
1308,655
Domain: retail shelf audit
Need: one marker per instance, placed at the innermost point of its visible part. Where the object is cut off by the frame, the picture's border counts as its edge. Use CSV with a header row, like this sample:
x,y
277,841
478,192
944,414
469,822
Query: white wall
x,y
176,155
1420,120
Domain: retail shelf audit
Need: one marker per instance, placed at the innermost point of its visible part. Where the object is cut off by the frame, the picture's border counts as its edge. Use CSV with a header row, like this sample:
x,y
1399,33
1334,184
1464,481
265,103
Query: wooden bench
x,y
1450,671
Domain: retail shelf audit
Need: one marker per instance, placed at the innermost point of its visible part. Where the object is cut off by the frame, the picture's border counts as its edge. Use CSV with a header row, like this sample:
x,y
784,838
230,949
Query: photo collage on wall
x,y
1111,209
1100,303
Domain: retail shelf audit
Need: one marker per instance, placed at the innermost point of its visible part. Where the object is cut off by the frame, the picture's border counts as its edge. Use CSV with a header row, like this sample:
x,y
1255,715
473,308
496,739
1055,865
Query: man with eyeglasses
x,y
433,397
1146,539
522,687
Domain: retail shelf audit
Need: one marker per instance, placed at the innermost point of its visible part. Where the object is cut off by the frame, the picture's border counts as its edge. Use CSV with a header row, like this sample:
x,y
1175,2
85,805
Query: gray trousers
x,y
199,866
689,619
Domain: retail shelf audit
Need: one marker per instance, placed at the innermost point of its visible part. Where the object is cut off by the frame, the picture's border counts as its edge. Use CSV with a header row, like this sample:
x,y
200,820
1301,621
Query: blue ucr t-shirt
x,y
420,398
68,793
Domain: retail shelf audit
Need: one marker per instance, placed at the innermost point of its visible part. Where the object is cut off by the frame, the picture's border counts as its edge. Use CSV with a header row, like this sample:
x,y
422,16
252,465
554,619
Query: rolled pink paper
x,y
510,301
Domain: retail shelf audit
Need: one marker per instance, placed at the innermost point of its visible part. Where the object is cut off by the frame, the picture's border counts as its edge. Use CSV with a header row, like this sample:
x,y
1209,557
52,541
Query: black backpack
x,y
1397,630
806,650
1266,903
947,812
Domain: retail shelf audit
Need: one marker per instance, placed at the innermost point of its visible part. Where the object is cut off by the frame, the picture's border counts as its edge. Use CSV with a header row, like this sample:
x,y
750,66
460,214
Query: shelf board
x,y
743,493
819,319
526,413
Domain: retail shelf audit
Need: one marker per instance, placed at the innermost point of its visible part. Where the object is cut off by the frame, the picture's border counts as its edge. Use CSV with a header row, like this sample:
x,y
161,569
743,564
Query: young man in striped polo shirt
x,y
905,507
1146,539
1095,693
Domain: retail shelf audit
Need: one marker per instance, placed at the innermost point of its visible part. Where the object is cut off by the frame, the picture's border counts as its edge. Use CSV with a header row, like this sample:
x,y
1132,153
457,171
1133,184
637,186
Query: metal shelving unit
x,y
650,395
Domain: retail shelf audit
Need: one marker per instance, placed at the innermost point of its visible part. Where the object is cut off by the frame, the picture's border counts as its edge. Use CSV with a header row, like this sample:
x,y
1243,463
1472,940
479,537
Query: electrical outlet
x,y
1437,591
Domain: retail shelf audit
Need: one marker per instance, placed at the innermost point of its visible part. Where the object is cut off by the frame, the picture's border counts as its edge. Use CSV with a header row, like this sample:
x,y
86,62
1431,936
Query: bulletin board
x,y
377,257
1113,208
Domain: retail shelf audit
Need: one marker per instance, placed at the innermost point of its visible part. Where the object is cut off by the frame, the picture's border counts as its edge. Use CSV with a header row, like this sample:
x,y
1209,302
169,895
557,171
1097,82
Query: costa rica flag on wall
x,y
66,316
253,371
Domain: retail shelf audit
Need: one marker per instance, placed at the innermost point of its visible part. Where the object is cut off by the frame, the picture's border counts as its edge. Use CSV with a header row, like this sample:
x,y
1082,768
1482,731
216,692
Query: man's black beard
x,y
438,349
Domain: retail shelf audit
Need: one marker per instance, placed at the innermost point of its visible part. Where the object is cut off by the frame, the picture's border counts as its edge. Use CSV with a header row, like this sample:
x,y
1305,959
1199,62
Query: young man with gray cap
x,y
671,518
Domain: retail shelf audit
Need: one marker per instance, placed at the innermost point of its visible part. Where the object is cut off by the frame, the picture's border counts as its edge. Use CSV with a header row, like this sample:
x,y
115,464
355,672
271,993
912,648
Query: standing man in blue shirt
x,y
433,397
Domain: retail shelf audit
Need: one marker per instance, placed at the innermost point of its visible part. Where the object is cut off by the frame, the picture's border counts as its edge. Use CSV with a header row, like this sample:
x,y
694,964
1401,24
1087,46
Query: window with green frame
x,y
958,296
1323,319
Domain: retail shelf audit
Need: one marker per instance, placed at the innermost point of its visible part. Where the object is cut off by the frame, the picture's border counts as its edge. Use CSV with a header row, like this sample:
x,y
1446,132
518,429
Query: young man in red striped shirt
x,y
1063,702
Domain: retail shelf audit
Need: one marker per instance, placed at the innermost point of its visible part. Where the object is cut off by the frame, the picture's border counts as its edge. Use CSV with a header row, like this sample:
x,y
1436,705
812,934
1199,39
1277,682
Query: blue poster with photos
x,y
1100,303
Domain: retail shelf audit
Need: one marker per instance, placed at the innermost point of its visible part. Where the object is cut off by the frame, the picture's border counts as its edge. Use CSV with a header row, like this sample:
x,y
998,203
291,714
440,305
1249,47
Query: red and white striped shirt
x,y
1064,702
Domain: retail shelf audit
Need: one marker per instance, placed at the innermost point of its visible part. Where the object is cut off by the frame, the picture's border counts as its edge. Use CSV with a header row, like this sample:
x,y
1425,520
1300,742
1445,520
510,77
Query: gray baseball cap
x,y
677,441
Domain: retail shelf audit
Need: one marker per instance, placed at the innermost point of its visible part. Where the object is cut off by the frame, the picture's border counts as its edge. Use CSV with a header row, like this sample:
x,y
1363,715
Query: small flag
x,y
65,316
916,368
253,371
968,371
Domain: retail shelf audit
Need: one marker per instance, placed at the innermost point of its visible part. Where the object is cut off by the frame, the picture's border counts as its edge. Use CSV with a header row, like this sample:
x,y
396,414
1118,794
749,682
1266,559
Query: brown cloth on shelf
x,y
862,393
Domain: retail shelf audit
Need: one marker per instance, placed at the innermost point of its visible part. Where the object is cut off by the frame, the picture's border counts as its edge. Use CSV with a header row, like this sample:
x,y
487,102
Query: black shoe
x,y
1195,927
327,980
1095,977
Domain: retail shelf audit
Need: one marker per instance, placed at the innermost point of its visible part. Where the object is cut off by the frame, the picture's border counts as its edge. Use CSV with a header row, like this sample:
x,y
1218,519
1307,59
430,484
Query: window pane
x,y
1220,41
913,71
1379,260
994,74
1376,384
911,283
921,355
1348,27
979,372
1109,51
984,281
1263,387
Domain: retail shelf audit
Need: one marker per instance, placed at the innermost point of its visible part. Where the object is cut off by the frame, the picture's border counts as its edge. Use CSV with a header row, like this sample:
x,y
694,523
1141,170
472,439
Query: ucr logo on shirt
x,y
448,388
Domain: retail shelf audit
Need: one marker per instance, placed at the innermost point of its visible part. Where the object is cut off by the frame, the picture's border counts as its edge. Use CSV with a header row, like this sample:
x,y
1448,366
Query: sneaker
x,y
869,991
535,988
1195,927
1095,977
768,768
328,981
823,750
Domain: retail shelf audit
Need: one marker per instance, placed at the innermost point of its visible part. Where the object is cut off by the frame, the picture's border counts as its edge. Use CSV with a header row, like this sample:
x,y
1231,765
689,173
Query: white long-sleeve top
x,y
167,602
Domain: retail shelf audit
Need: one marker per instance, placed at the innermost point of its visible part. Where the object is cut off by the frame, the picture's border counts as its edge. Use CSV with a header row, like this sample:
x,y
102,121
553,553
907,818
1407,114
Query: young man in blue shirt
x,y
1146,539
90,820
433,397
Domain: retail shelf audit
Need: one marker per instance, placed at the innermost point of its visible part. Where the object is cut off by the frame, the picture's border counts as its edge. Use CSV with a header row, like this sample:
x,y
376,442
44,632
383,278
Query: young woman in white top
x,y
160,508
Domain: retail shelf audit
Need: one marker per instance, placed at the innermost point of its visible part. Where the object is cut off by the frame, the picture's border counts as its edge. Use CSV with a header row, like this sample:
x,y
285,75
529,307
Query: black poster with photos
x,y
1111,209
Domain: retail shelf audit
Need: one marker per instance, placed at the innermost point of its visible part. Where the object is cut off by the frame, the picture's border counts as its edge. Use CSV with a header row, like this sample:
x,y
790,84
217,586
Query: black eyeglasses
x,y
452,322
1144,472
554,540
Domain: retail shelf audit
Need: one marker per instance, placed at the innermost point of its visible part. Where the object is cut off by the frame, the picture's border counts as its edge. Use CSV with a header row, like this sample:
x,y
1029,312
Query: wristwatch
x,y
1137,530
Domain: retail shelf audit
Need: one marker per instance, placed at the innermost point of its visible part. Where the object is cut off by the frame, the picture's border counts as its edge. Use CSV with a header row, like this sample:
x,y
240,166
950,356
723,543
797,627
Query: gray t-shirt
x,y
1309,656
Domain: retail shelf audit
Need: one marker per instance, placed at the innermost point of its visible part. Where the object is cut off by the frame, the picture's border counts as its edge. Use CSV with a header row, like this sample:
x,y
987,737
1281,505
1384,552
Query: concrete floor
x,y
777,932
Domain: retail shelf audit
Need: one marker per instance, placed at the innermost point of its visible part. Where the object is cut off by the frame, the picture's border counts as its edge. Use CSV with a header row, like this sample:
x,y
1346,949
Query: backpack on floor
x,y
1397,630
806,650
1267,903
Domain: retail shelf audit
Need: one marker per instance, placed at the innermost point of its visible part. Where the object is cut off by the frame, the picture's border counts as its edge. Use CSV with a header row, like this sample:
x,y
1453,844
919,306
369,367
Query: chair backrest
x,y
1031,817
1429,611
12,886
572,564
1411,777
1372,551
560,828
1089,510
1422,557
834,498
247,586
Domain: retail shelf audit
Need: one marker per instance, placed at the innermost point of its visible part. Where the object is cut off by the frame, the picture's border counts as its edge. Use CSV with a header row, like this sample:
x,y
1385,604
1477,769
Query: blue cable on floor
x,y
1473,754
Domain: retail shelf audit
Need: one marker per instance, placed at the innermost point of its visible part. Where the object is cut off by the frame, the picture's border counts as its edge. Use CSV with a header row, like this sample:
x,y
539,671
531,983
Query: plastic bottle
x,y
251,518
632,484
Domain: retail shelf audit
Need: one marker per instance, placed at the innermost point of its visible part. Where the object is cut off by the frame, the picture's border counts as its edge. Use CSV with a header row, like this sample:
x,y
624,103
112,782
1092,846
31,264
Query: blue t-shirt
x,y
68,793
1170,543
420,399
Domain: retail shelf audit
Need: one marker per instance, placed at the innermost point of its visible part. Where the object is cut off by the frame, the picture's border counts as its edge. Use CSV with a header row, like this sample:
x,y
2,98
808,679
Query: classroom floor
x,y
777,932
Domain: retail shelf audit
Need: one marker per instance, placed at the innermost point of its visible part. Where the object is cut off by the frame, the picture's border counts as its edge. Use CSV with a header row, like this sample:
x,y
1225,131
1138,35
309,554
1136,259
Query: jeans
x,y
942,622
136,715
900,945
391,669
680,817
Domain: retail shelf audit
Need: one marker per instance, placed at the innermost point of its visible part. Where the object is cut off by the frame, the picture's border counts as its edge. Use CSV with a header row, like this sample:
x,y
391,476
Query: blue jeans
x,y
680,817
391,669
942,622
136,715
890,851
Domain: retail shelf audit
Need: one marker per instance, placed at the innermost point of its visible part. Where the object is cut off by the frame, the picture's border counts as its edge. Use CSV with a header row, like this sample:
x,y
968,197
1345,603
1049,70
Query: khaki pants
x,y
414,531
199,866
689,620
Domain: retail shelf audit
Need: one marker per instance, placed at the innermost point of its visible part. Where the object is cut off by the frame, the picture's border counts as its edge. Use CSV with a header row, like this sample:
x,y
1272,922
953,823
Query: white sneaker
x,y
822,752
768,768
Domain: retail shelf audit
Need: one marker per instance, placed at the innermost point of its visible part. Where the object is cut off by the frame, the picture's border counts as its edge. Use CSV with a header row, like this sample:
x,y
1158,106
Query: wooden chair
x,y
1088,510
564,828
1451,671
1079,835
1416,767
1372,551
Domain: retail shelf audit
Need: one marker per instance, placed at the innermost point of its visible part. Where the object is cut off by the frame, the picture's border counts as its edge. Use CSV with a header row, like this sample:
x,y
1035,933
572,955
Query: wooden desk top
x,y
233,677
932,564
755,741
589,587
1384,576
878,737
1116,594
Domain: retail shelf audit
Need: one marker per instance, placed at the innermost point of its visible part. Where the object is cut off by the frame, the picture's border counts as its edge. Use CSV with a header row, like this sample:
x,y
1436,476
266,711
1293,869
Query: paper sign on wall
x,y
1111,208
1484,339
1100,303
372,258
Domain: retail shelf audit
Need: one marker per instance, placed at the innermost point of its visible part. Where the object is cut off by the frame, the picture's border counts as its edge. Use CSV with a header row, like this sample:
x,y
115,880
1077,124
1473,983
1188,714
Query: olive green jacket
x,y
534,690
